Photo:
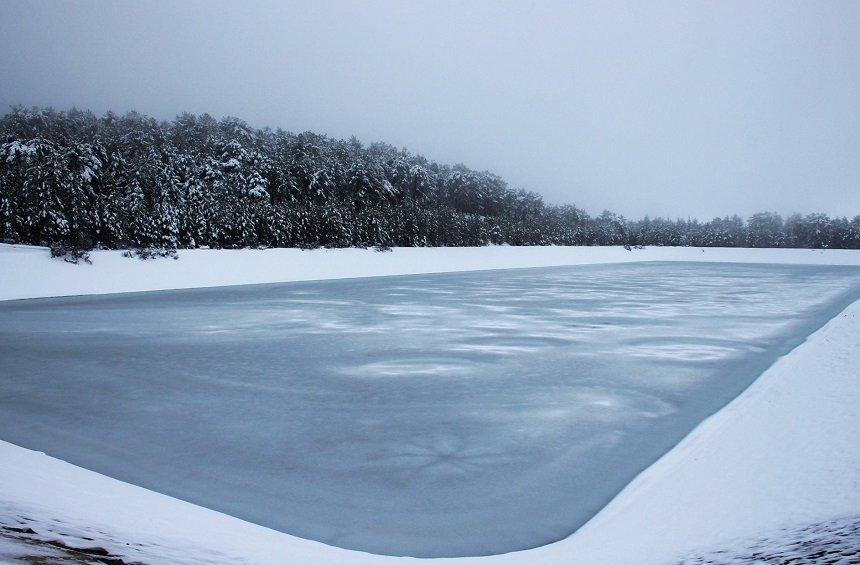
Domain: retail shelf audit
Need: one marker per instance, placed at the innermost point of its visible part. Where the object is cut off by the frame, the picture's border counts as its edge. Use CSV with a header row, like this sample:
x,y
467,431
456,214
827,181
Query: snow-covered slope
x,y
29,272
783,454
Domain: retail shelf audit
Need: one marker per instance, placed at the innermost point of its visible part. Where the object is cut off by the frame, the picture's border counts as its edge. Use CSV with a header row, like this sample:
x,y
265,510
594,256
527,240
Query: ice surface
x,y
426,415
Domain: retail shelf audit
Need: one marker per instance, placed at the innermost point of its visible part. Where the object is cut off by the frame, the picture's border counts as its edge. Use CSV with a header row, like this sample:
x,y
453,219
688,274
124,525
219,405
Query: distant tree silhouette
x,y
78,180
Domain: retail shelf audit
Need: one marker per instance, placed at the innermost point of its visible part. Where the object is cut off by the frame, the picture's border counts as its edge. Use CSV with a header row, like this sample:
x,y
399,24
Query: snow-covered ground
x,y
783,454
28,272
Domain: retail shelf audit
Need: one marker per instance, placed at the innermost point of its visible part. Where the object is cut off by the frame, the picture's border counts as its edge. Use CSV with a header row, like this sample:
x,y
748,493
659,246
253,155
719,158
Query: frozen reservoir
x,y
430,415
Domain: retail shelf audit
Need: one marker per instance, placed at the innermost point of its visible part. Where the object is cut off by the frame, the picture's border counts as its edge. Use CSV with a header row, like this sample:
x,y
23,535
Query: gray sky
x,y
663,108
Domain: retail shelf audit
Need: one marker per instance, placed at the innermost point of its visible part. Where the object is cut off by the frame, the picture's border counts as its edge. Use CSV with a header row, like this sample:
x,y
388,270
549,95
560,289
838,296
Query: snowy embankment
x,y
783,454
28,272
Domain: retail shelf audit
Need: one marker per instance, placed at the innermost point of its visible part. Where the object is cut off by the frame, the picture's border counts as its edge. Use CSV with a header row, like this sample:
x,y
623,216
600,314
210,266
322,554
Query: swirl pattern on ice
x,y
430,415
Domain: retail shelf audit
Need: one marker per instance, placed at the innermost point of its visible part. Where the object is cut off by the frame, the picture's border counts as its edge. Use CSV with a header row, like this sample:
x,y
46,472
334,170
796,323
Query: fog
x,y
678,109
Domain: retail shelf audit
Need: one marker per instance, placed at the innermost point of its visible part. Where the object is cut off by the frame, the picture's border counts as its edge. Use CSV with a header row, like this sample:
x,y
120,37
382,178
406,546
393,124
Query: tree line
x,y
81,181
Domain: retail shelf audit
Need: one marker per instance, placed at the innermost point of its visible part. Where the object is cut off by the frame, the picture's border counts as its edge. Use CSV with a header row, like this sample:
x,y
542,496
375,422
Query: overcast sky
x,y
664,108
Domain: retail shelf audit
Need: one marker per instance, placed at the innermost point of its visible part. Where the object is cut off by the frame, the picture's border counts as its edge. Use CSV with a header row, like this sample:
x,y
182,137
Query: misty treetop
x,y
76,179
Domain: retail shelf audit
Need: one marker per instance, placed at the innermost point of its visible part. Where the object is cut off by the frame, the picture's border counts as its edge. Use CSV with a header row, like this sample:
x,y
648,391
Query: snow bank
x,y
782,454
29,272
